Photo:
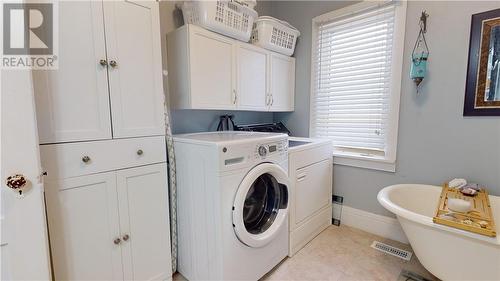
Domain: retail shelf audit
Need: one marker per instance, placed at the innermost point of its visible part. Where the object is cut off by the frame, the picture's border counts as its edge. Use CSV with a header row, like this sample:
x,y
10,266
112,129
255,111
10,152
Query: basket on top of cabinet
x,y
230,18
275,35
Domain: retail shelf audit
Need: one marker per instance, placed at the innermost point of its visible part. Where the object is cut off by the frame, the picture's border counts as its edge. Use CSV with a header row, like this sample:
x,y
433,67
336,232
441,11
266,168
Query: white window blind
x,y
352,79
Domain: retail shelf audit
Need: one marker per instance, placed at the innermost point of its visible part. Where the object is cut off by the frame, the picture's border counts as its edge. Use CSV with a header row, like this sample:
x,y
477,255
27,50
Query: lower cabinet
x,y
110,226
143,209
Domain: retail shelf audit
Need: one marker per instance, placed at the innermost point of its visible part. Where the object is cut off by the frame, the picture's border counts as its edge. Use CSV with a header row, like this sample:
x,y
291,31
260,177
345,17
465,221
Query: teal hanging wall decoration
x,y
420,54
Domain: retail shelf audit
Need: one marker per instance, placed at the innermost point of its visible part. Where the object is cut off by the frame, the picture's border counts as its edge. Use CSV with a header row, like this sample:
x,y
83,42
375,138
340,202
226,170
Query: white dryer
x,y
232,204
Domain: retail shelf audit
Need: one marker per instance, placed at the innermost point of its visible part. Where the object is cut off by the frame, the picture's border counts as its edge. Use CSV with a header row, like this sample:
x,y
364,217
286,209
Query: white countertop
x,y
312,142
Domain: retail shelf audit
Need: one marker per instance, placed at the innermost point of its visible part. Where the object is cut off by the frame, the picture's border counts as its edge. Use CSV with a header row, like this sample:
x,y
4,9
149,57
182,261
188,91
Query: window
x,y
356,81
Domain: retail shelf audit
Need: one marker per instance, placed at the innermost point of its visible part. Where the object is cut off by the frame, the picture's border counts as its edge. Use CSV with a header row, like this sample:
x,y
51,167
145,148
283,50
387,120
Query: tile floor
x,y
343,253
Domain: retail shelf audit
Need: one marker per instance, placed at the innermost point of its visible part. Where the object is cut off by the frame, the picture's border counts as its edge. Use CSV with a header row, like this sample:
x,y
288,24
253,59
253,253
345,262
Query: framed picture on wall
x,y
482,89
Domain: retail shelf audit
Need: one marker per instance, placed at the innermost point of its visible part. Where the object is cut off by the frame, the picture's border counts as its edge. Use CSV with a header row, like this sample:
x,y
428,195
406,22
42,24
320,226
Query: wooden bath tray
x,y
481,212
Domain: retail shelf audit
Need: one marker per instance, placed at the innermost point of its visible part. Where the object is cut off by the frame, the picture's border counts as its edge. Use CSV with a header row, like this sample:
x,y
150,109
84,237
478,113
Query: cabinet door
x,y
251,78
211,67
83,223
135,70
72,102
313,187
282,80
144,217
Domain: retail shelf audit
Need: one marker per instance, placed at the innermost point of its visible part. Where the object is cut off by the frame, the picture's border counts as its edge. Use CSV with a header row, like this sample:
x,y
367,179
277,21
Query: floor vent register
x,y
388,249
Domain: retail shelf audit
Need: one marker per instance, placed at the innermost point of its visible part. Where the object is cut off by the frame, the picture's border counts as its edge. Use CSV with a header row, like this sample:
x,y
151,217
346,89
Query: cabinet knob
x,y
117,241
86,159
113,63
103,62
140,152
125,237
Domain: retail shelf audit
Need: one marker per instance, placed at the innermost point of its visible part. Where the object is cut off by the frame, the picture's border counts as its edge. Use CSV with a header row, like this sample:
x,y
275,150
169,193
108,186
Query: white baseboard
x,y
386,227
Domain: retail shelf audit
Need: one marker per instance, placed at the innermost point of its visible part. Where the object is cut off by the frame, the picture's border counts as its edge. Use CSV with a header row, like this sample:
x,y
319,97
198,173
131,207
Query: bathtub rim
x,y
383,199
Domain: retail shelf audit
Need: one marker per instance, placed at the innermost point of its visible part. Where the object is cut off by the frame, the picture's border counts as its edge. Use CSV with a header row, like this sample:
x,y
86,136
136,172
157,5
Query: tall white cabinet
x,y
72,103
101,127
210,71
109,69
134,68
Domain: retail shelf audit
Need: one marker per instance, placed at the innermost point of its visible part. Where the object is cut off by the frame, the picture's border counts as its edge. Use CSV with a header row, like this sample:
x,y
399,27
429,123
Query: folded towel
x,y
470,189
474,186
457,183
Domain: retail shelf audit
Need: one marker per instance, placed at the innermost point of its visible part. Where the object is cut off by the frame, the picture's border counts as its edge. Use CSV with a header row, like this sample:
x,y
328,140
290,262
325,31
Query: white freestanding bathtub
x,y
448,253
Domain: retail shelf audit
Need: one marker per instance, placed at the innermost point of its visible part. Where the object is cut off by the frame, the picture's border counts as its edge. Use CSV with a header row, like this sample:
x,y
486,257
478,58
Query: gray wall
x,y
435,141
187,121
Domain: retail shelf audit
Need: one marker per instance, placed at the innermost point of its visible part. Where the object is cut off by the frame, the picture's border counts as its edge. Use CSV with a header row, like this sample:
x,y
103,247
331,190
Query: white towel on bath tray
x,y
457,183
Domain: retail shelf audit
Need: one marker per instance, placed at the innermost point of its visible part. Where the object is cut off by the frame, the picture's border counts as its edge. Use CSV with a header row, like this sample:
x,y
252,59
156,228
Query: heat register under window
x,y
356,80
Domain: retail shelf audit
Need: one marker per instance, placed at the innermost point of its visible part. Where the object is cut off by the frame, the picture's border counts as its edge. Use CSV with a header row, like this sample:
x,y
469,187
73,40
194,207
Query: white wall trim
x,y
364,162
386,227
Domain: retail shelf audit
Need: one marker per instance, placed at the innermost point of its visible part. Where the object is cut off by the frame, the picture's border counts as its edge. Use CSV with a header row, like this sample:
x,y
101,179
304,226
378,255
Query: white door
x,y
73,101
313,186
144,222
282,80
211,66
135,68
252,75
24,251
83,226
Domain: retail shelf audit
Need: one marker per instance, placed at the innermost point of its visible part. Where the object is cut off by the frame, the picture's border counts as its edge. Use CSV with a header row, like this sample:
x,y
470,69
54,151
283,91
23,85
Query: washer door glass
x,y
261,204
260,208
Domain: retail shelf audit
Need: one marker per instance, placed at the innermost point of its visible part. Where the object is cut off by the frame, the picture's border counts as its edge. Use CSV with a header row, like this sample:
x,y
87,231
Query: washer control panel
x,y
262,151
270,149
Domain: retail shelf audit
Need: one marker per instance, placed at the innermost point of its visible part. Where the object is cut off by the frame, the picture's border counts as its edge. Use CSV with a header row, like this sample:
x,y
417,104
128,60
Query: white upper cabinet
x,y
211,71
211,60
252,78
72,103
282,83
103,56
135,70
201,75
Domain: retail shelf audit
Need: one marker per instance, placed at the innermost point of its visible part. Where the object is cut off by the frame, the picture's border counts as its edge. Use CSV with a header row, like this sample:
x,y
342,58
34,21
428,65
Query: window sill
x,y
367,162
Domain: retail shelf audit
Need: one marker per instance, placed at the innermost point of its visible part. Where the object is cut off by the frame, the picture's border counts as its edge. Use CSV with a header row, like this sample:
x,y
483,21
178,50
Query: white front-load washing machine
x,y
232,204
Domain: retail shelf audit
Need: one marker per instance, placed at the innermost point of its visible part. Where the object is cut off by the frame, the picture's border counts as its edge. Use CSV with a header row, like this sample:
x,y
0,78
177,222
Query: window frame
x,y
360,159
